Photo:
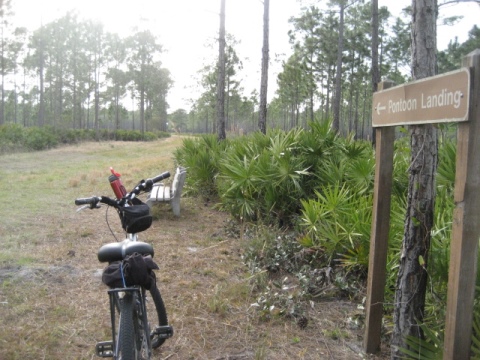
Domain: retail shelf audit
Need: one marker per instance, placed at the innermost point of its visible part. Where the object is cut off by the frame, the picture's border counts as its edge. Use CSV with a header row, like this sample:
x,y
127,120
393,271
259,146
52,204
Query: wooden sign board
x,y
437,99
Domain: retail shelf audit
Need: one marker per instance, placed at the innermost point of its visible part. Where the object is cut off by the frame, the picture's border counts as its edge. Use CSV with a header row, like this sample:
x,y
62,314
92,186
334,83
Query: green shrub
x,y
162,134
11,138
430,347
150,136
67,136
447,165
11,133
338,221
14,137
264,177
85,134
263,182
201,157
121,135
133,135
40,138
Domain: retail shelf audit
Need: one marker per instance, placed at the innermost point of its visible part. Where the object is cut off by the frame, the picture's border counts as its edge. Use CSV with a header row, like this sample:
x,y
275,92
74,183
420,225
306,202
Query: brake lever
x,y
81,208
91,206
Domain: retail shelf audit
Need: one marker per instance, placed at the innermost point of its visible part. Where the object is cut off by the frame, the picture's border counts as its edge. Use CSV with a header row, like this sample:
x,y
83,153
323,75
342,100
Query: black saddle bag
x,y
135,269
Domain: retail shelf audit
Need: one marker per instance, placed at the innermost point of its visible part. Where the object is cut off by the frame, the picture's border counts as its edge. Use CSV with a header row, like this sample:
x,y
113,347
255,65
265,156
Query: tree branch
x,y
448,2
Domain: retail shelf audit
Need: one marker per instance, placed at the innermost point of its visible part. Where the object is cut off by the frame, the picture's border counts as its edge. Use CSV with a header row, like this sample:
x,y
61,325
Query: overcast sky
x,y
185,26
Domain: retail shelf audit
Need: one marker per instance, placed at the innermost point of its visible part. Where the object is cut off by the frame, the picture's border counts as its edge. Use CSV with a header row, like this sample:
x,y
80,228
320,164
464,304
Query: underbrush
x,y
287,277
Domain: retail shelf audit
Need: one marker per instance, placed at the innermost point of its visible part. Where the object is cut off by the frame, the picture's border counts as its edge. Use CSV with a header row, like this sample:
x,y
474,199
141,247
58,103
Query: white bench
x,y
162,193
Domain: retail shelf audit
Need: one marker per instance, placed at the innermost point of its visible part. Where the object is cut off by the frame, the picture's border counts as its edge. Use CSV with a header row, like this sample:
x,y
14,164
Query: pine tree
x,y
412,275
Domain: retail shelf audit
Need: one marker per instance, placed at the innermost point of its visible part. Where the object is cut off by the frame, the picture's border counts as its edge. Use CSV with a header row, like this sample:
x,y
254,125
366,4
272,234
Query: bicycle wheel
x,y
161,315
134,332
126,334
142,329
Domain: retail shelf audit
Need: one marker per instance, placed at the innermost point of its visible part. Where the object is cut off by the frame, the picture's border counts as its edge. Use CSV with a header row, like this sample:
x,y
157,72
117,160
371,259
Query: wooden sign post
x,y
466,227
385,138
451,97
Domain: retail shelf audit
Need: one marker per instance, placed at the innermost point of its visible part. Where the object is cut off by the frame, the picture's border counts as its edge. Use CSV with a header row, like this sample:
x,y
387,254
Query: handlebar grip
x,y
86,201
160,177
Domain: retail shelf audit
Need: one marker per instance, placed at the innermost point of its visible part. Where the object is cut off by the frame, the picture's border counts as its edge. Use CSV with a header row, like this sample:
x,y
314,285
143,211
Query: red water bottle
x,y
116,184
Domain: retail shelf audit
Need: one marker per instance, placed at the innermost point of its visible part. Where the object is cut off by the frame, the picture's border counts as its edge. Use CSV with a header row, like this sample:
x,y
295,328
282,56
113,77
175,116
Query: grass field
x,y
49,279
54,306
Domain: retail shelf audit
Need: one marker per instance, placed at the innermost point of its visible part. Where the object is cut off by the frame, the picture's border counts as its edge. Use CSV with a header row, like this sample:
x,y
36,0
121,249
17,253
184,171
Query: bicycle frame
x,y
132,237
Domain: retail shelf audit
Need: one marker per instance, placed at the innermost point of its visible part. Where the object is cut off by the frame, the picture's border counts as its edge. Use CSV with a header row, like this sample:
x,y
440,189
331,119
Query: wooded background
x,y
71,73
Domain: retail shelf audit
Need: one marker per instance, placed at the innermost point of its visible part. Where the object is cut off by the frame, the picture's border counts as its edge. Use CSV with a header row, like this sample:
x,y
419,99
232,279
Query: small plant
x,y
336,334
217,303
430,347
280,298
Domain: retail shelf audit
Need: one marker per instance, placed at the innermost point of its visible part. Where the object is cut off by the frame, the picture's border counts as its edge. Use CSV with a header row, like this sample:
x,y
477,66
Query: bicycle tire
x,y
126,333
161,314
142,329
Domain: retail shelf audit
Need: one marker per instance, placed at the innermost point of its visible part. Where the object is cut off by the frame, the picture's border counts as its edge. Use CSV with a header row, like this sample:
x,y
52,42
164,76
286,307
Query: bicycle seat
x,y
118,251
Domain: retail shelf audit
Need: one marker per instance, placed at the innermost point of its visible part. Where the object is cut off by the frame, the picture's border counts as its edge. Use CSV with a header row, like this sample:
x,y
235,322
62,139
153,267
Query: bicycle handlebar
x,y
143,185
161,177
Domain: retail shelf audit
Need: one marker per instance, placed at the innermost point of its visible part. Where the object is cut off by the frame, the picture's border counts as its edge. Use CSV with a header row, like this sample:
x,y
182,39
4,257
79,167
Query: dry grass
x,y
52,302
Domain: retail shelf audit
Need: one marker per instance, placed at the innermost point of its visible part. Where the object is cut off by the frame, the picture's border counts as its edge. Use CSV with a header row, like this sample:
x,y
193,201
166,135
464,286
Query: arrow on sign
x,y
380,108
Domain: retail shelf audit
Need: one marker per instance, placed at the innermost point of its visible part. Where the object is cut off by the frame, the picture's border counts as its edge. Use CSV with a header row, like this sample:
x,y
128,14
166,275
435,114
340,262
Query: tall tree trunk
x,y
74,84
142,109
41,105
364,114
355,120
412,275
221,76
350,95
228,126
262,122
327,110
117,109
4,7
52,92
375,68
97,99
164,113
2,108
206,123
24,101
60,95
15,95
338,75
74,102
133,110
97,65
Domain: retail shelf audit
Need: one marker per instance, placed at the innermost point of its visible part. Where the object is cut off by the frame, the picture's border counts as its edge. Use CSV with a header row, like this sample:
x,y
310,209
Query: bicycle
x,y
129,275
